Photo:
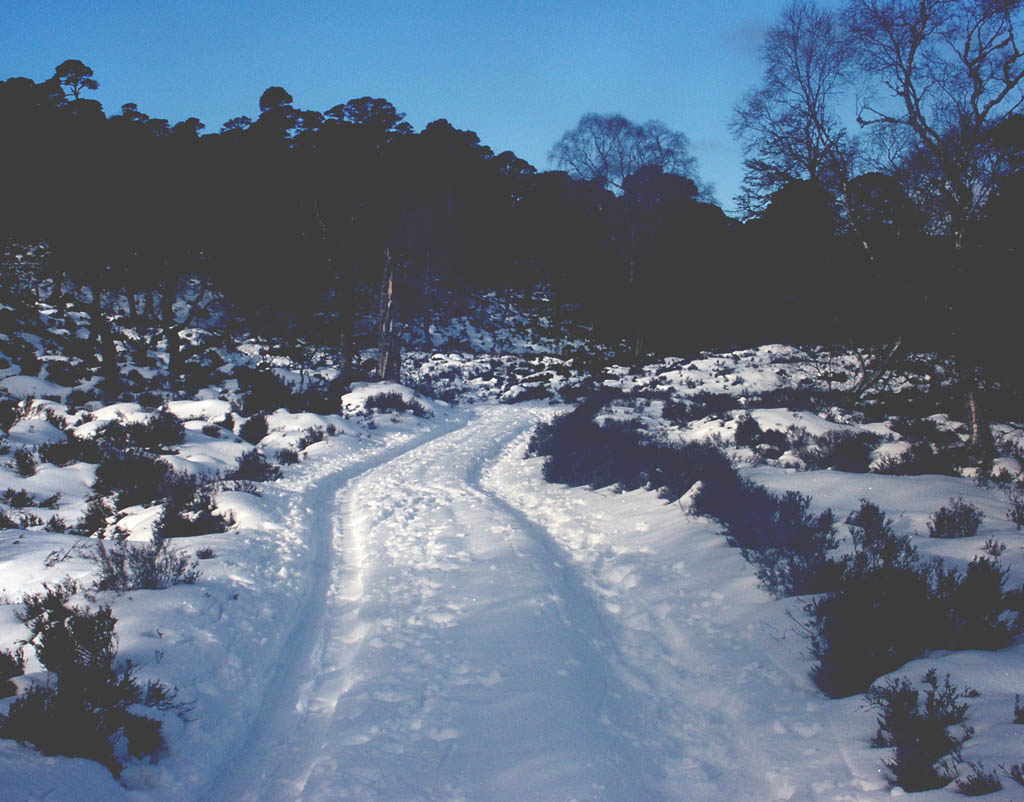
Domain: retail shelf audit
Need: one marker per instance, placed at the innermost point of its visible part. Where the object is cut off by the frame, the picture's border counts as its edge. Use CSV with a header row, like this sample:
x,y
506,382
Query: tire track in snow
x,y
456,659
265,739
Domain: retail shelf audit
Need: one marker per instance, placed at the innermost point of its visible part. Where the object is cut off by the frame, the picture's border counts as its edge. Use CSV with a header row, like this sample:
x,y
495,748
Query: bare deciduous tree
x,y
608,148
788,125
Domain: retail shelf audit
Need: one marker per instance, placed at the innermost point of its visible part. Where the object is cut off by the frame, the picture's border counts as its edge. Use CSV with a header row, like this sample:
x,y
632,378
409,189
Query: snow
x,y
413,613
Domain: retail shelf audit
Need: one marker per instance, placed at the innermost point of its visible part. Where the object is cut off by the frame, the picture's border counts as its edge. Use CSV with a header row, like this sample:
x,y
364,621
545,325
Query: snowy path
x,y
453,657
473,633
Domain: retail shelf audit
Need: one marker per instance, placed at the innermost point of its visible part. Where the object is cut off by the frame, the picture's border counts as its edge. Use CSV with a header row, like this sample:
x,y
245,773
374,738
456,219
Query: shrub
x,y
922,459
133,476
65,373
1015,514
959,519
10,412
841,451
84,712
1018,710
149,566
521,393
72,449
211,430
24,462
748,431
56,524
264,390
18,499
993,548
97,516
924,733
287,456
979,782
395,402
253,466
888,609
6,522
12,664
205,553
314,434
188,509
161,431
254,429
1015,772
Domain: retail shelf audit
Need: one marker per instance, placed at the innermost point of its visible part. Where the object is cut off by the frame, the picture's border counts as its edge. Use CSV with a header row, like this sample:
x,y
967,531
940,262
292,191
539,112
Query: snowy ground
x,y
413,613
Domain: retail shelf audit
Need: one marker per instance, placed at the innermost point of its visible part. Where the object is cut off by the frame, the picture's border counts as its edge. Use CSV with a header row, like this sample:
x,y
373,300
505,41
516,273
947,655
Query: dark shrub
x,y
24,462
161,431
134,477
149,566
188,509
748,432
923,732
395,402
530,392
73,449
253,466
65,373
979,782
889,609
96,517
841,451
287,456
922,459
6,522
18,499
959,519
56,524
254,429
923,430
205,553
85,710
10,411
12,664
314,434
264,391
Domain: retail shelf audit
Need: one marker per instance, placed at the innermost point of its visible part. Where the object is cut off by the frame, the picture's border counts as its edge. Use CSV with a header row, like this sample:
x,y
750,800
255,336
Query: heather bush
x,y
127,566
924,733
959,519
24,462
922,459
72,449
85,710
253,466
188,509
133,477
395,402
840,450
264,391
748,431
889,608
979,782
254,429
287,456
314,434
12,664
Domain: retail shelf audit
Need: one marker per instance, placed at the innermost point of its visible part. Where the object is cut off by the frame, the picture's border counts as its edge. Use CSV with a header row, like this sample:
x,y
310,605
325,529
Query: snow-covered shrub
x,y
314,434
264,390
579,451
10,412
97,514
72,449
24,462
161,431
847,451
133,476
188,509
85,711
287,456
888,608
959,519
924,733
12,664
65,373
748,431
922,459
254,429
1015,514
128,566
253,466
395,402
979,782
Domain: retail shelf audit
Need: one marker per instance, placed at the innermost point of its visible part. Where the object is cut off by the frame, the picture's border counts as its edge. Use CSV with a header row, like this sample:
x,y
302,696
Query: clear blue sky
x,y
519,72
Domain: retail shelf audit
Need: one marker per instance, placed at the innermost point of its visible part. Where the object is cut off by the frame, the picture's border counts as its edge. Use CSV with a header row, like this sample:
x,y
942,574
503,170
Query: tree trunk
x,y
101,330
57,298
174,361
387,348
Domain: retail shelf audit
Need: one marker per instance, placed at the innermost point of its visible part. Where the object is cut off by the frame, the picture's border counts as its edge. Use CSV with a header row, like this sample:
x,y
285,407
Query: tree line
x,y
900,234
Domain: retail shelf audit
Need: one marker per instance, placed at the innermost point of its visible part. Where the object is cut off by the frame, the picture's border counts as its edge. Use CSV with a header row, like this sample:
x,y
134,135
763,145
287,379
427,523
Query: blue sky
x,y
519,73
